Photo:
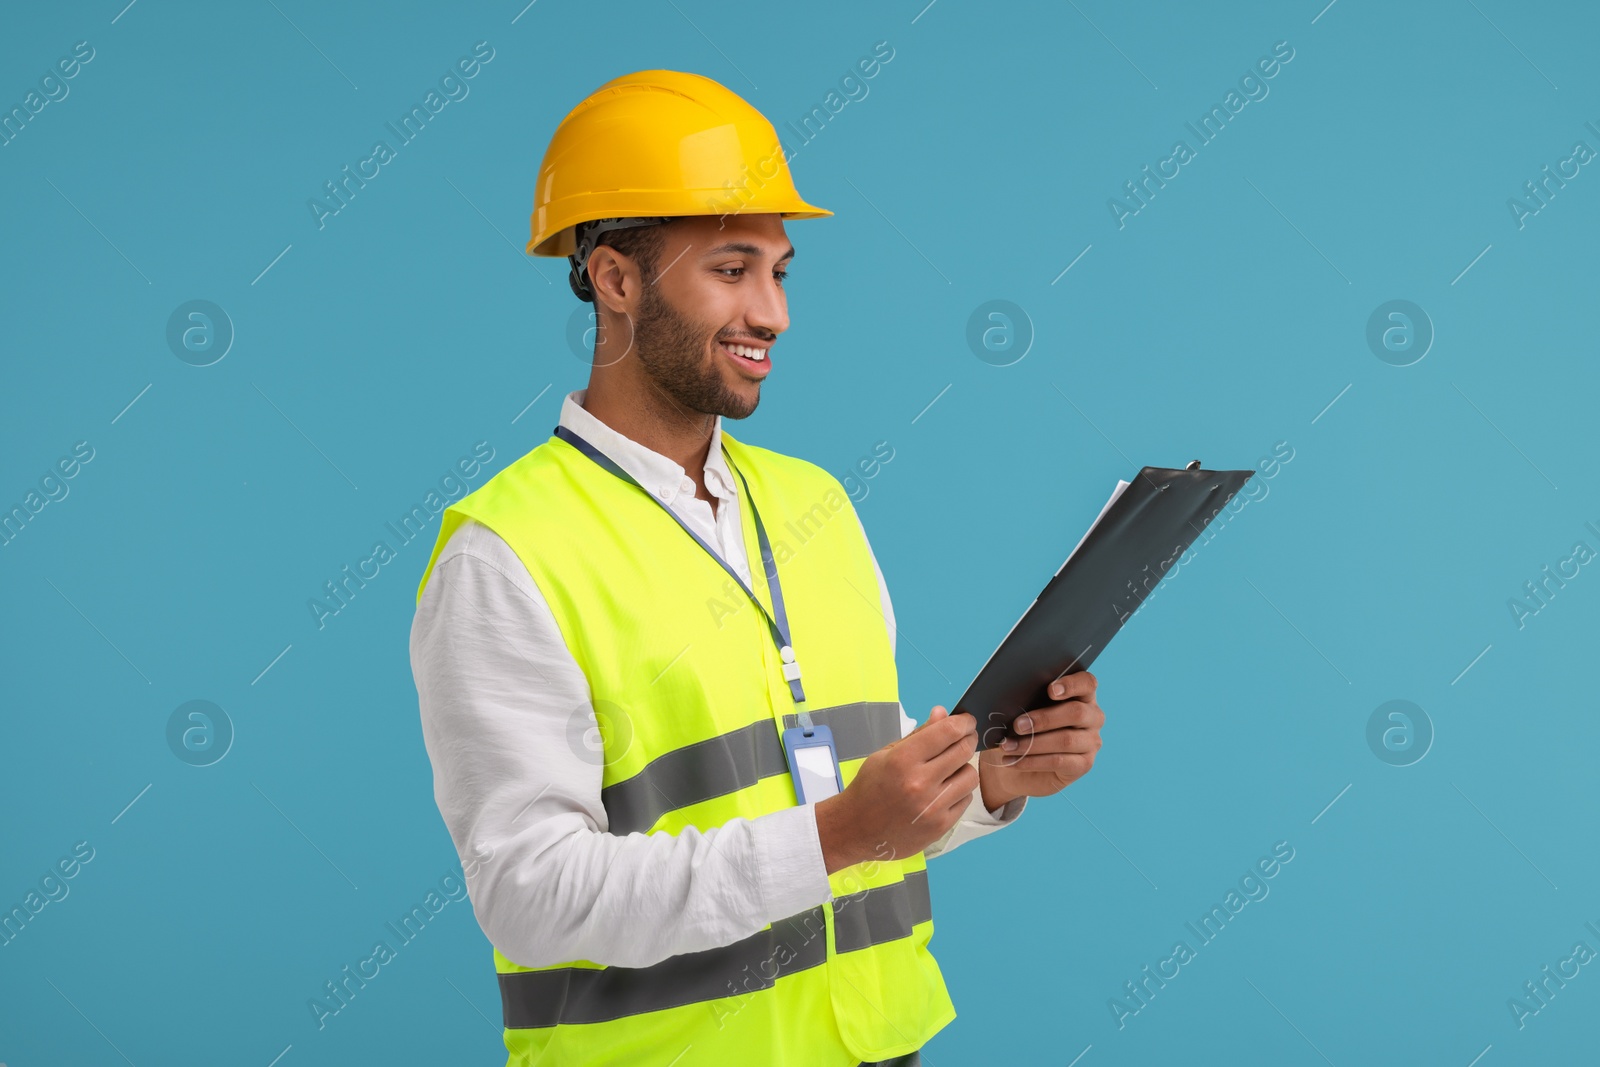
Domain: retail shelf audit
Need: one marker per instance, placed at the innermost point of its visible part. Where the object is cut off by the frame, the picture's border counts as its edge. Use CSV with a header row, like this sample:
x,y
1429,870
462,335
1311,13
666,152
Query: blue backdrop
x,y
1369,271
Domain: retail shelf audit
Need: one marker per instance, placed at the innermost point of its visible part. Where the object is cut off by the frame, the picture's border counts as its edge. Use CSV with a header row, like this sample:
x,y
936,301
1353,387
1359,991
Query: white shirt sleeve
x,y
977,820
502,702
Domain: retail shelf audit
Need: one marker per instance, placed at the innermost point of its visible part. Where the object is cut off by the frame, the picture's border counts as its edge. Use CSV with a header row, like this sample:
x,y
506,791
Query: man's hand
x,y
1057,747
904,796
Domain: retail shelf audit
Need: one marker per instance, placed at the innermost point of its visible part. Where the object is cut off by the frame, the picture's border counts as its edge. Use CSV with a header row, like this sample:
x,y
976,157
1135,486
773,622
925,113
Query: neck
x,y
641,411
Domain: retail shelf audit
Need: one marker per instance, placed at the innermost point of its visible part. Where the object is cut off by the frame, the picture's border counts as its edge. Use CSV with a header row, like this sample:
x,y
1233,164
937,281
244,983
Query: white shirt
x,y
501,697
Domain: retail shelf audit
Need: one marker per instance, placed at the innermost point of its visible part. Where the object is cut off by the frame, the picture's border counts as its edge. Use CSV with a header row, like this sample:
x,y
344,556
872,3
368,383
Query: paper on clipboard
x,y
1112,499
1121,485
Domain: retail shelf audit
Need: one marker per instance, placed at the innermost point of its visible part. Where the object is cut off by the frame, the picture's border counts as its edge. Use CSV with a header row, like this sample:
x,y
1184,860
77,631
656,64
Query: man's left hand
x,y
1057,745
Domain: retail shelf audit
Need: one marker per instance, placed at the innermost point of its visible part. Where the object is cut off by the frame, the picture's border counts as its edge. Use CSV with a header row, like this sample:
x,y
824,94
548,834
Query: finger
x,y
1066,739
963,779
941,760
1076,684
960,795
947,807
1076,763
951,792
938,714
954,756
1056,716
939,733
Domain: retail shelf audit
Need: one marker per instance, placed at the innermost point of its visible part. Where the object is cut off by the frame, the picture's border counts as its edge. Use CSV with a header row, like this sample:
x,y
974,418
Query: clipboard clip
x,y
1193,465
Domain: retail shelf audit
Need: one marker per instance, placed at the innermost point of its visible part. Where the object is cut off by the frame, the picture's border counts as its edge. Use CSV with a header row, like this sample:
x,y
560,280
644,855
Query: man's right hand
x,y
904,796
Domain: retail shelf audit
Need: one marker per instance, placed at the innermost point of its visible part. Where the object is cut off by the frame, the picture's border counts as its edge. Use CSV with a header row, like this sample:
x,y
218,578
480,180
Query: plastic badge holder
x,y
813,763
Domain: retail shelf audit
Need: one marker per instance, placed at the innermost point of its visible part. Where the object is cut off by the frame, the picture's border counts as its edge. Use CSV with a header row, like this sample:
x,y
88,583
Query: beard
x,y
672,350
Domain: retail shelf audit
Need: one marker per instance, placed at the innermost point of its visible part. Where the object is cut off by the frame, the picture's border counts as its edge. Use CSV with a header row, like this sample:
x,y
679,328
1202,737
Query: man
x,y
612,694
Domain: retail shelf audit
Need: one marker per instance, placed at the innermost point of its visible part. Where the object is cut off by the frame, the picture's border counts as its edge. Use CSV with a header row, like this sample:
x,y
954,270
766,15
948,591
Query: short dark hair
x,y
642,244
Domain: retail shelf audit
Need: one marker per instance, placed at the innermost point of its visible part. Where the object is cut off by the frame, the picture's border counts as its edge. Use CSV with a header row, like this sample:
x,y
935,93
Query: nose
x,y
768,310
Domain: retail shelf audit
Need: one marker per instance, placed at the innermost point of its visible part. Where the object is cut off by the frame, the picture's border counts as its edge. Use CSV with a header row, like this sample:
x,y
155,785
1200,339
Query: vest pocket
x,y
888,993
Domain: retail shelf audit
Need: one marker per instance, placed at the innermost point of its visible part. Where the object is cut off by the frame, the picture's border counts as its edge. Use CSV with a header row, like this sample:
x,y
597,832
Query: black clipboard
x,y
1142,530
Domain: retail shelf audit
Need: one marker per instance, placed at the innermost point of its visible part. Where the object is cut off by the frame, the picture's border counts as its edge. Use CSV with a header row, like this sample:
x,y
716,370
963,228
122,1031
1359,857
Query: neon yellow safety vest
x,y
682,669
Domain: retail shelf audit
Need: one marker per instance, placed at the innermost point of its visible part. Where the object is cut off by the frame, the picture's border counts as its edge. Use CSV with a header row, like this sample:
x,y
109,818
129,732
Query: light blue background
x,y
1225,317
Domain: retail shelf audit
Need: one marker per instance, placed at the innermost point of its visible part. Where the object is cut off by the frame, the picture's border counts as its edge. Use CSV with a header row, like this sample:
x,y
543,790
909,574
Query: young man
x,y
616,697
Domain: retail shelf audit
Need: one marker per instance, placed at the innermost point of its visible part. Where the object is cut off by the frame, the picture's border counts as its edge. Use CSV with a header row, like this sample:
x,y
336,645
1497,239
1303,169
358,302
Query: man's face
x,y
718,283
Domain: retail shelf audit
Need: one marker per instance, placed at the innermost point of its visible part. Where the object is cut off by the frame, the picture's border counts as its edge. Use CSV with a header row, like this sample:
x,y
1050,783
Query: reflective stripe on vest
x,y
681,666
534,999
737,760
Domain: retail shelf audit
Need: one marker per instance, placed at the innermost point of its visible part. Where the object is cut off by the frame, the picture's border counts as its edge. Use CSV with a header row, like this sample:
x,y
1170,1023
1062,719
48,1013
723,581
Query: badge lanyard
x,y
813,759
779,627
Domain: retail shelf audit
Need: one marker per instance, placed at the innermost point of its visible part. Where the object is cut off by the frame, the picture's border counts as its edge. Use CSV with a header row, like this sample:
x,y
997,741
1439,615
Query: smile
x,y
750,358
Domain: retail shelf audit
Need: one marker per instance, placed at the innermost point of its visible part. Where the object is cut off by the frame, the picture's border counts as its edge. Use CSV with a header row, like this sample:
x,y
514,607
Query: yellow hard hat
x,y
660,143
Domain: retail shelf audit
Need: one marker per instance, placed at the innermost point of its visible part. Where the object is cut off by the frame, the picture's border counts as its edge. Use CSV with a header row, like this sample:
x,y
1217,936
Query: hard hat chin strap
x,y
586,235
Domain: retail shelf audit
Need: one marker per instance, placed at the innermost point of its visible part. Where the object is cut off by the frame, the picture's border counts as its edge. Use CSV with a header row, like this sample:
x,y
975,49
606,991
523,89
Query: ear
x,y
614,279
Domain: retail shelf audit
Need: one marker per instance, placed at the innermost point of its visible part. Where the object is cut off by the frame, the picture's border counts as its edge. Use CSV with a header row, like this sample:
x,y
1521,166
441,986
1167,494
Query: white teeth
x,y
746,351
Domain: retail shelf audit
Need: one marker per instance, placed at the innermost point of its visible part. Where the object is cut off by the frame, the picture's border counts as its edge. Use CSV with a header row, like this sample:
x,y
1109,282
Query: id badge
x,y
813,763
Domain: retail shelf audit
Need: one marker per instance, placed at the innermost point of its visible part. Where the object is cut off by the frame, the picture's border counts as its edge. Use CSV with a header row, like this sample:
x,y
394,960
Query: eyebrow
x,y
746,249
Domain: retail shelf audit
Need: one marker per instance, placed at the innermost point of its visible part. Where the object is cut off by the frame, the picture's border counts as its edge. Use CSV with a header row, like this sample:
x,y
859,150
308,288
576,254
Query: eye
x,y
735,272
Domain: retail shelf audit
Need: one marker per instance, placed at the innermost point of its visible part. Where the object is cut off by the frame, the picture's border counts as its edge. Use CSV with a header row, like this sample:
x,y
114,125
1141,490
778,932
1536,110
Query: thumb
x,y
934,716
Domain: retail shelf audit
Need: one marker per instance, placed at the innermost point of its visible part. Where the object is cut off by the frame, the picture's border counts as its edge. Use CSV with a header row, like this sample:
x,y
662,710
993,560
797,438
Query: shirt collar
x,y
657,473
